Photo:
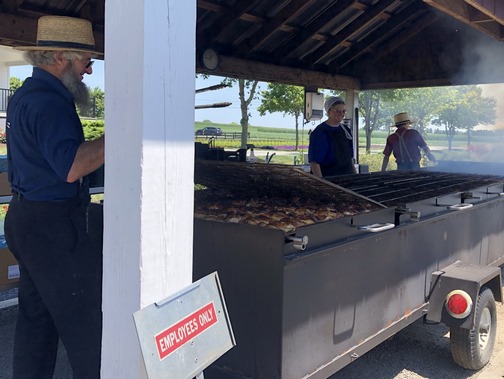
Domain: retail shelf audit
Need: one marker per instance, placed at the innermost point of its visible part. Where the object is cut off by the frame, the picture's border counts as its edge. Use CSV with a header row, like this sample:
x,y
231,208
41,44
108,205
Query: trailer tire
x,y
472,348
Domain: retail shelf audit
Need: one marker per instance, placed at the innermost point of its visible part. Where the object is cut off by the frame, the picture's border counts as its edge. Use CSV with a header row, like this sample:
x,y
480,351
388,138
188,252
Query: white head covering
x,y
332,100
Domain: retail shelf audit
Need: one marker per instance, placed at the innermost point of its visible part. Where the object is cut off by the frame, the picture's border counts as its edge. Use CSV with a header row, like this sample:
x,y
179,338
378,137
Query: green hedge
x,y
93,129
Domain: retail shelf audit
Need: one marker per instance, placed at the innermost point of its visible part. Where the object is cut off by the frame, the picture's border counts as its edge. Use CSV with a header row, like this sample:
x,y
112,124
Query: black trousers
x,y
59,250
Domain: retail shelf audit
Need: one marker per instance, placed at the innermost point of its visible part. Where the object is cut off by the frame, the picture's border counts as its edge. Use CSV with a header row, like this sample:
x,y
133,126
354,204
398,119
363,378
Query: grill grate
x,y
284,197
393,188
273,181
276,196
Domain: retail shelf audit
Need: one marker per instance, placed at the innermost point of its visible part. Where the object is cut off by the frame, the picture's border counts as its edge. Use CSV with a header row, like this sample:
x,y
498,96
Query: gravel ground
x,y
8,294
418,351
423,351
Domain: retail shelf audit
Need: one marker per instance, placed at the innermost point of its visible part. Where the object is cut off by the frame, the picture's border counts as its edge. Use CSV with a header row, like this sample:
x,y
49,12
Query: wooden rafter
x,y
228,16
369,45
330,45
463,10
311,31
288,13
399,39
491,8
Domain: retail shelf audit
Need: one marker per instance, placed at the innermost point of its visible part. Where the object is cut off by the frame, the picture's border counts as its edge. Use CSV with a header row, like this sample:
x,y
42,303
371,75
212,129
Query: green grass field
x,y
484,146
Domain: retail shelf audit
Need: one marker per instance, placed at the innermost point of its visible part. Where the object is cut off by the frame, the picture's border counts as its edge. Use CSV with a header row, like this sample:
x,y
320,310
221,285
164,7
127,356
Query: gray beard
x,y
77,88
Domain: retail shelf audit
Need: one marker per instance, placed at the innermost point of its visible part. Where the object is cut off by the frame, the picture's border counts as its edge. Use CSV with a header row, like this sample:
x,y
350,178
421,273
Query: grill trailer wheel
x,y
472,348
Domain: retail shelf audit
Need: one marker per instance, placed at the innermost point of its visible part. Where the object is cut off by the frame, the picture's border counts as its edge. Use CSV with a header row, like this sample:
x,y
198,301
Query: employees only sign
x,y
185,330
183,334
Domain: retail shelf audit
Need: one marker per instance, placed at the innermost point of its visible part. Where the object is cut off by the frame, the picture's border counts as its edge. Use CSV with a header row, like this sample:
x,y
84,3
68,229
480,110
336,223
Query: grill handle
x,y
459,207
300,243
373,228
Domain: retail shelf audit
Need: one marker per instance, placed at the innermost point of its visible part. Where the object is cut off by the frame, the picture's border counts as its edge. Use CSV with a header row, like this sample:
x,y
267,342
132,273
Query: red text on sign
x,y
185,330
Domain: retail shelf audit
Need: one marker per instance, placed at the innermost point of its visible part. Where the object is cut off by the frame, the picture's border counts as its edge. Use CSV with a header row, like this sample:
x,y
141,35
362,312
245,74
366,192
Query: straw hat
x,y
402,118
61,33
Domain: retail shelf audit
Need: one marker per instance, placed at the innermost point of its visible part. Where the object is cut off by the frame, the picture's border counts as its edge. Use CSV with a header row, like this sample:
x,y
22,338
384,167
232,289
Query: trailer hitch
x,y
401,210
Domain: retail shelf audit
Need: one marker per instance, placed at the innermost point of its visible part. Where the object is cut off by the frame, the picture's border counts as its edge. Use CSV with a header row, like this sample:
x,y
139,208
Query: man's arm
x,y
354,169
385,163
423,145
427,151
90,156
315,168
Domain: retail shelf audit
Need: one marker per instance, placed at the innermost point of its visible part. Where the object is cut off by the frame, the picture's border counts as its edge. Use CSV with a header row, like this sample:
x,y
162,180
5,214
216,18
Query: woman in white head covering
x,y
331,145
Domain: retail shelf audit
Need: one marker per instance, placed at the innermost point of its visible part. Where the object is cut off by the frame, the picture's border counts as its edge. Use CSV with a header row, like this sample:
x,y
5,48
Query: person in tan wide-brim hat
x,y
61,33
405,143
402,118
51,227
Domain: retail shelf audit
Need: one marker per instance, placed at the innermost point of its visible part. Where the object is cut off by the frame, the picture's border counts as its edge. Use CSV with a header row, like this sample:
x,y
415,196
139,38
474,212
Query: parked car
x,y
209,131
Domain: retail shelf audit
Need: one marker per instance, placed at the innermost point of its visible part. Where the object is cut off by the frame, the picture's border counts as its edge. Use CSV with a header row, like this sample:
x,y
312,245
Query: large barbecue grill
x,y
306,300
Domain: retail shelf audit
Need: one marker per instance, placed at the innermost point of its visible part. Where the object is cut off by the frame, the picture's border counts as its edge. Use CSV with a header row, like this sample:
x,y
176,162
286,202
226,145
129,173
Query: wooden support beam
x,y
408,84
239,68
18,30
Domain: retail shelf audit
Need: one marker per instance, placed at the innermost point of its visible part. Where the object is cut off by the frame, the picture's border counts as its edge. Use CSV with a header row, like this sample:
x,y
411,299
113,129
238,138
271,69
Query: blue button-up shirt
x,y
43,134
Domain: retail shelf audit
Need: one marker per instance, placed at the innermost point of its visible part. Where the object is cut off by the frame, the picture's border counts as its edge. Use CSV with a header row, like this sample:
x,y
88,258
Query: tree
x,y
465,109
373,109
479,110
422,104
15,83
449,116
284,98
244,86
98,98
96,108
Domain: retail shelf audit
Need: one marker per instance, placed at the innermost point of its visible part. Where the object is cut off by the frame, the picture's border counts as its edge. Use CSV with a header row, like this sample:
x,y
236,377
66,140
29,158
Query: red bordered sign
x,y
185,330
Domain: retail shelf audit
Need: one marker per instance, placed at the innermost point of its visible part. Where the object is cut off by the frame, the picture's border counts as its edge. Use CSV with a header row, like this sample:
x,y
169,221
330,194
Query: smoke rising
x,y
483,58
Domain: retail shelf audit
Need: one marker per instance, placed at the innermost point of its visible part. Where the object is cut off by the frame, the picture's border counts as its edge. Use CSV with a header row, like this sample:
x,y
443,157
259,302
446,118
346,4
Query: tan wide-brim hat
x,y
61,33
402,118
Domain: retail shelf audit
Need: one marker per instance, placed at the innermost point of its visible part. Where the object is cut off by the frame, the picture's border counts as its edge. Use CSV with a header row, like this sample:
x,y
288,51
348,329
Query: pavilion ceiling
x,y
321,43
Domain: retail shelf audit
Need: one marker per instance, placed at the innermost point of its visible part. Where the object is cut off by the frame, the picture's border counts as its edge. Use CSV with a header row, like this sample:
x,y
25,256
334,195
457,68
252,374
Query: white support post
x,y
352,103
149,167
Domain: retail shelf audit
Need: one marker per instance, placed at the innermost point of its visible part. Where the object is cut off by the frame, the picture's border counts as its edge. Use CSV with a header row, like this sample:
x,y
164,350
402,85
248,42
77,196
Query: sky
x,y
226,115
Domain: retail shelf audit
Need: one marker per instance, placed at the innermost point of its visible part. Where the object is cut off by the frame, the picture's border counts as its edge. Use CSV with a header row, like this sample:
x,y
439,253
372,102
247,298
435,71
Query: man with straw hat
x,y
51,227
405,143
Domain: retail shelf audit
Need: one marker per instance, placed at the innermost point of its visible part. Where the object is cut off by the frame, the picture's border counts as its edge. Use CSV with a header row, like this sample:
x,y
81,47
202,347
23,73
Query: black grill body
x,y
308,313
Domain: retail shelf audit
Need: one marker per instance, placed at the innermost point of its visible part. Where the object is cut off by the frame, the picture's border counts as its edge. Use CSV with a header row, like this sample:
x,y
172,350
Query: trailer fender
x,y
463,278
